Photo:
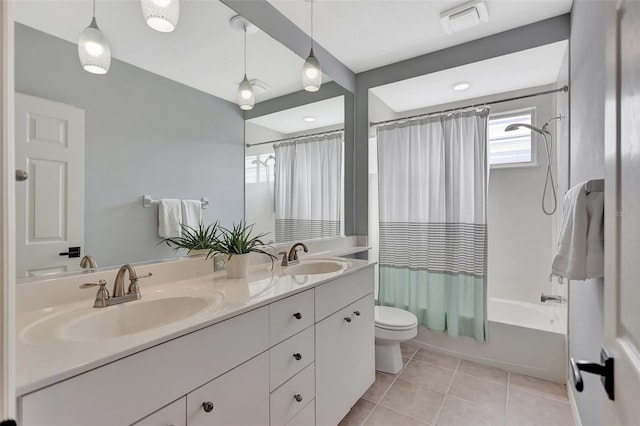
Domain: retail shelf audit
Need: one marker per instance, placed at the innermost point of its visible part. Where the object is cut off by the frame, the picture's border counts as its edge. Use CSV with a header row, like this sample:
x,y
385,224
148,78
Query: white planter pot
x,y
238,266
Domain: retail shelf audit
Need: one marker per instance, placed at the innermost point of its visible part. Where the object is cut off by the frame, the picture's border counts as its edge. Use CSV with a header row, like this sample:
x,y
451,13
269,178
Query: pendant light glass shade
x,y
311,73
161,15
246,95
93,50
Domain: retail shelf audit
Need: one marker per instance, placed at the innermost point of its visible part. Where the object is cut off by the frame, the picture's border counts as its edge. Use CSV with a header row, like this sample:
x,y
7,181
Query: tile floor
x,y
436,389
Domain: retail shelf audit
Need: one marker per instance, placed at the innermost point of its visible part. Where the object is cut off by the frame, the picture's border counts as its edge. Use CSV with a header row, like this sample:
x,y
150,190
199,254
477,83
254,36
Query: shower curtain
x,y
308,188
433,180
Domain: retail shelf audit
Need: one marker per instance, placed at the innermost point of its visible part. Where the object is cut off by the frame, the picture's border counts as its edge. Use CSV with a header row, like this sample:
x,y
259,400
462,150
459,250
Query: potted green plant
x,y
197,241
236,244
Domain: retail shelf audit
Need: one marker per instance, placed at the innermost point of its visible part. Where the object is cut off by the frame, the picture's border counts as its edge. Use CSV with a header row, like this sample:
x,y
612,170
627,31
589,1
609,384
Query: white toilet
x,y
393,325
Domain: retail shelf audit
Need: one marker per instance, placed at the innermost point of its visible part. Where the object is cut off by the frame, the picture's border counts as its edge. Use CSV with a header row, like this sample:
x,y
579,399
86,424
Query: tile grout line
x,y
506,408
453,376
389,388
541,394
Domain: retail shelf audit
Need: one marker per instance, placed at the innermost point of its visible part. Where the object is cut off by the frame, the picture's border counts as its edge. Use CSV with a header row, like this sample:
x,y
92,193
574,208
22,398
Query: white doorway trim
x,y
7,219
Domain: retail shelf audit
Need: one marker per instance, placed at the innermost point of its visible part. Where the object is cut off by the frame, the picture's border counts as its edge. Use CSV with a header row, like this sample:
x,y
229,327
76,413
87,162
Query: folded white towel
x,y
580,247
191,213
169,218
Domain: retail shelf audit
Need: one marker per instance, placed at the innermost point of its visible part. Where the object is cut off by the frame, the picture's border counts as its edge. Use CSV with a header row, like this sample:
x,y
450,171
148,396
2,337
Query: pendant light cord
x,y
311,24
245,51
94,8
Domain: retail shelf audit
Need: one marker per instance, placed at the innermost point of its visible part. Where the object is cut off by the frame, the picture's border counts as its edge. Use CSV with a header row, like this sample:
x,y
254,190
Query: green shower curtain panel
x,y
432,187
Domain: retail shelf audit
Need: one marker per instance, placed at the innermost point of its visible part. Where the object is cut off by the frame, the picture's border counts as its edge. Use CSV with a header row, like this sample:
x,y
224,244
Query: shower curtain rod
x,y
515,98
249,145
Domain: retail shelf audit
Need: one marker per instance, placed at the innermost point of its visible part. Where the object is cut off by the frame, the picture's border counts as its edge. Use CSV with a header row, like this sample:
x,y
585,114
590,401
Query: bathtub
x,y
524,338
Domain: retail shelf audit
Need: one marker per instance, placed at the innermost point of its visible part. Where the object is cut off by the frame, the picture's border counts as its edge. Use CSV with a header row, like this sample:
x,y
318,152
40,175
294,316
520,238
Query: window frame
x,y
534,146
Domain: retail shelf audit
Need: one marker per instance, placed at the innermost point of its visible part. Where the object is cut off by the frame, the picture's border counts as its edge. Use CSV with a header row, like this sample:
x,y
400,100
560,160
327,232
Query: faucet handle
x,y
285,258
101,296
133,286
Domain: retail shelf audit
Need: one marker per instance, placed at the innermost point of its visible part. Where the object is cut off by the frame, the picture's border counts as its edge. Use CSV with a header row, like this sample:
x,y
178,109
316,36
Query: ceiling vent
x,y
463,17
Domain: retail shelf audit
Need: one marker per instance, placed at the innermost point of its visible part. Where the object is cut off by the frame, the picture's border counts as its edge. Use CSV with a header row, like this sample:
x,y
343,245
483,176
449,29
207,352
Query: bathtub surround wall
x,y
587,96
145,134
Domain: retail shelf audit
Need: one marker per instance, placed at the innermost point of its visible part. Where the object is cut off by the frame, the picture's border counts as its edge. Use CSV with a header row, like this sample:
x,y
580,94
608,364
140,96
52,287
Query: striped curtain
x,y
308,188
433,181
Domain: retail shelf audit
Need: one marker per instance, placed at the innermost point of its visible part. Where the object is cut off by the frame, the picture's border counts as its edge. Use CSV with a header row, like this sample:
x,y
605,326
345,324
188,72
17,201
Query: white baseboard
x,y
572,403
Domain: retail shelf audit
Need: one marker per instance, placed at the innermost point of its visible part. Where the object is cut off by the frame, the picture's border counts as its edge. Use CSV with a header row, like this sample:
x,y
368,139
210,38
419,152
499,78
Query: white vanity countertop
x,y
43,359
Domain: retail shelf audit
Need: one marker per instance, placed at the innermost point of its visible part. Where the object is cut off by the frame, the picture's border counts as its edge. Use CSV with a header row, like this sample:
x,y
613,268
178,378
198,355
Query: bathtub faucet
x,y
546,298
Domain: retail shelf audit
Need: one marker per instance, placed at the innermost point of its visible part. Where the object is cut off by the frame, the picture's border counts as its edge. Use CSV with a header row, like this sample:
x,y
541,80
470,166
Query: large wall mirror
x,y
162,122
294,172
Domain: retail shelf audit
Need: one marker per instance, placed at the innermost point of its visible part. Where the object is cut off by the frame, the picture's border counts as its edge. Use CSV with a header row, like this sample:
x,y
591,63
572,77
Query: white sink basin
x,y
128,318
96,324
316,267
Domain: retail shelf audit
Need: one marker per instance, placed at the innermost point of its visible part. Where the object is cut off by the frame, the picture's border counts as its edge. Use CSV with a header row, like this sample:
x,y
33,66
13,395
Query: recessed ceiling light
x,y
461,85
309,119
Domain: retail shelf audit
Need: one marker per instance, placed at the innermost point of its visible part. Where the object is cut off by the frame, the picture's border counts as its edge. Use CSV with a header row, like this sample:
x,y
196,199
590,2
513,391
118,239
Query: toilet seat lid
x,y
394,318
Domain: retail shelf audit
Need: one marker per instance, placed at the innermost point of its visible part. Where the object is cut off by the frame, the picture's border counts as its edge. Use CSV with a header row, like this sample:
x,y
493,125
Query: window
x,y
514,147
259,168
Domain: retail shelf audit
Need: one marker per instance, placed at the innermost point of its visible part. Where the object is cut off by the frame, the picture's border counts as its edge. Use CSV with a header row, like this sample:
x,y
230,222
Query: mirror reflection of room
x,y
294,172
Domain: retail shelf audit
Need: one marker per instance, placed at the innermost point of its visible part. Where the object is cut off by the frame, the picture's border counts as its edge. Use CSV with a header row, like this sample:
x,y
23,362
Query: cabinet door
x,y
174,414
238,397
345,360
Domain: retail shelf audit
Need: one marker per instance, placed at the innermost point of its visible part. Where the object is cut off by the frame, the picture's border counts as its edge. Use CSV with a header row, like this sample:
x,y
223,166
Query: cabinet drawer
x,y
239,397
289,357
161,374
174,414
284,405
306,417
336,294
290,316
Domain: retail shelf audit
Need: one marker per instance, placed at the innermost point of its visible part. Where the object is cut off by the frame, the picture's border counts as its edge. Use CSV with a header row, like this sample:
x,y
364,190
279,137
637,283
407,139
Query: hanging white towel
x,y
169,218
191,213
595,235
580,248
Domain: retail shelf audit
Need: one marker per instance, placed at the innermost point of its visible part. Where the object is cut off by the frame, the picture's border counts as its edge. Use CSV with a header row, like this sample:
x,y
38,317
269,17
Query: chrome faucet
x,y
88,262
118,295
551,298
291,258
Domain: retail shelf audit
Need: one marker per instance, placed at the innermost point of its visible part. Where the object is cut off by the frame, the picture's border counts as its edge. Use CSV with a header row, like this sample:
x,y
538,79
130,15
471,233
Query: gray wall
x,y
587,77
145,134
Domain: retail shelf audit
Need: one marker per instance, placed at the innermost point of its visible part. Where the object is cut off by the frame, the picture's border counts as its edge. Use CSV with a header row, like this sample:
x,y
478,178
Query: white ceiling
x,y
528,68
204,52
366,34
327,113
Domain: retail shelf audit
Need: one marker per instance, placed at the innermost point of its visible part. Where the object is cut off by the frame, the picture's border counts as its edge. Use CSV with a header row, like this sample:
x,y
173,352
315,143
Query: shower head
x,y
515,126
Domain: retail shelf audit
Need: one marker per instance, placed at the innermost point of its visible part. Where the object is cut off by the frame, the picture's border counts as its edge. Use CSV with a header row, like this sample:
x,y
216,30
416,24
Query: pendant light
x,y
93,48
161,15
311,71
246,93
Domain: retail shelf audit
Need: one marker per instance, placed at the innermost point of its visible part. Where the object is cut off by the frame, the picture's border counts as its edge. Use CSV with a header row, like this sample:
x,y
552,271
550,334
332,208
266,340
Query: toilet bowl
x,y
393,325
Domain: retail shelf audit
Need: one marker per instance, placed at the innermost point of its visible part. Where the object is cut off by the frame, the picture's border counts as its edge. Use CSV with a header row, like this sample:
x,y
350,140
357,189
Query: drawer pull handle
x,y
297,397
207,406
356,313
297,356
297,315
347,319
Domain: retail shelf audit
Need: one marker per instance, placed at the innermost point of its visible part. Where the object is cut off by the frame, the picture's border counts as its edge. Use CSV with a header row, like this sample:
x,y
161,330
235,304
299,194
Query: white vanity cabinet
x,y
296,361
237,398
345,351
171,415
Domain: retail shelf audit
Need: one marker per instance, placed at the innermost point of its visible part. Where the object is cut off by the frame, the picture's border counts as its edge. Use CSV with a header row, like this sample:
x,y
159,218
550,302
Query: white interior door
x,y
622,219
50,203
